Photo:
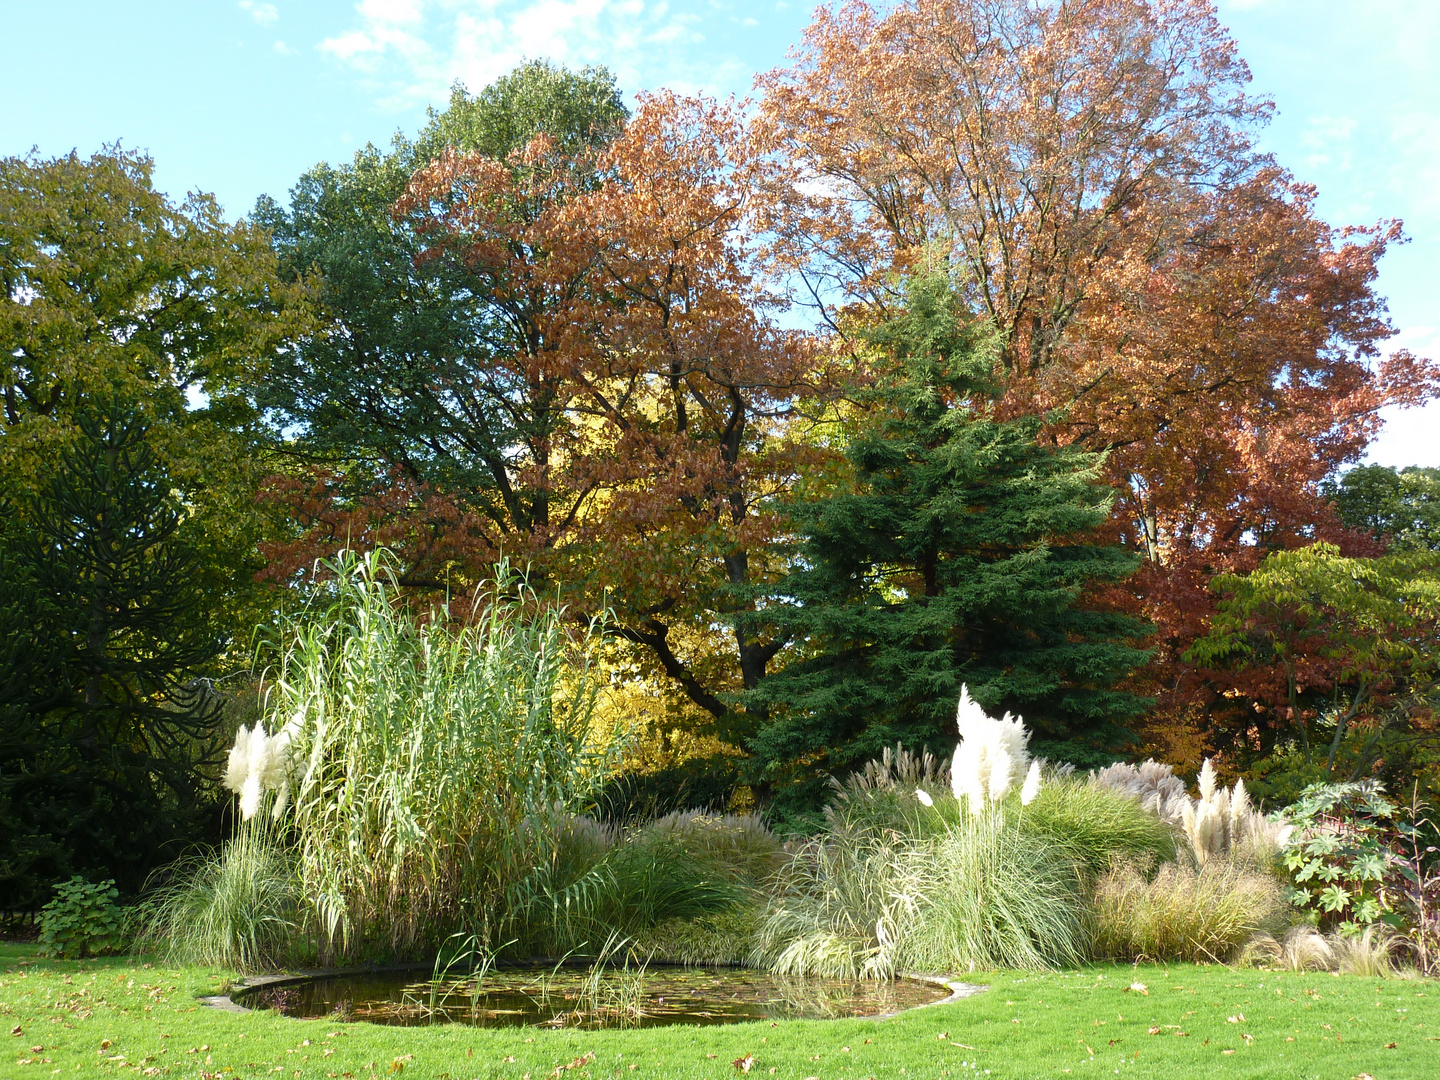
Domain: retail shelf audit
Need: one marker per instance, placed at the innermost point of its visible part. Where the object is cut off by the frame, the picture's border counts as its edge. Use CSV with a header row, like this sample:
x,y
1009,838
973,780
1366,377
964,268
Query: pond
x,y
571,997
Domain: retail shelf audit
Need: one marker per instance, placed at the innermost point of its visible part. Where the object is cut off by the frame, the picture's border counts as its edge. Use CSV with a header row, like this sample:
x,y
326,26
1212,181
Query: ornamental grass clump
x,y
422,773
1180,912
239,908
908,877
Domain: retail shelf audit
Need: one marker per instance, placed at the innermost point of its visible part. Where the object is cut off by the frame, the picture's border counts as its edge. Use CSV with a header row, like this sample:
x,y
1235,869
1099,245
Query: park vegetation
x,y
471,553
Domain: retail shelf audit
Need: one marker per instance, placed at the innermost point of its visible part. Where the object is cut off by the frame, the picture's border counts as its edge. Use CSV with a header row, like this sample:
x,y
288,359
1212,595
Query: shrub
x,y
82,920
727,937
737,847
1182,913
239,909
596,887
1339,855
1096,825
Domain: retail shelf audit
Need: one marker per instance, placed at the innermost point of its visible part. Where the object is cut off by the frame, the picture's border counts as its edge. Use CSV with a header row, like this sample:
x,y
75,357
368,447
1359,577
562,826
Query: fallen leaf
x,y
709,1055
744,1064
510,1060
943,1035
37,1049
17,1030
1154,1031
1392,1046
1238,1018
105,1044
1227,1051
1138,988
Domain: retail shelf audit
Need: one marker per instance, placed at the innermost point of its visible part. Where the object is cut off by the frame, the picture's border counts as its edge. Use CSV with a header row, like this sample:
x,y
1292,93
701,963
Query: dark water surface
x,y
569,997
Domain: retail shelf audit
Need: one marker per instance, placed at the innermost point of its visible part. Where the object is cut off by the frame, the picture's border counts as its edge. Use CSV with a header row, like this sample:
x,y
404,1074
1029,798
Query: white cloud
x,y
285,50
264,14
411,51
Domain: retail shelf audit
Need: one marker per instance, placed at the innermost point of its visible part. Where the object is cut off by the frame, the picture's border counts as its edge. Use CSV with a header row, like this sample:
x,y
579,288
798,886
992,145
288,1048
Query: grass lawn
x,y
119,1017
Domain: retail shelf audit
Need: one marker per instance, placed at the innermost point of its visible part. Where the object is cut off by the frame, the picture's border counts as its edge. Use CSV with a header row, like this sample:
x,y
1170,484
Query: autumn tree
x,y
578,367
1315,642
1091,165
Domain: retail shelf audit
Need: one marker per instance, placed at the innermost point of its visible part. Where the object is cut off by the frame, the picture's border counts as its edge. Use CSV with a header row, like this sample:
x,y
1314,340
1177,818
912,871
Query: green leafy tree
x,y
109,291
961,551
1399,506
110,730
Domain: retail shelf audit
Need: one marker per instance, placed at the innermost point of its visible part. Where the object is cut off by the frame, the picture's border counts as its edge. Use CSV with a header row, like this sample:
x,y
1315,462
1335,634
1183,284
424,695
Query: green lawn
x,y
120,1017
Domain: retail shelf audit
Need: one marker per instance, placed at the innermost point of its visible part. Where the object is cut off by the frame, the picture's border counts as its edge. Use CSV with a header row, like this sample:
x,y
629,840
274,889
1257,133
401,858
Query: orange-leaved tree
x,y
1166,288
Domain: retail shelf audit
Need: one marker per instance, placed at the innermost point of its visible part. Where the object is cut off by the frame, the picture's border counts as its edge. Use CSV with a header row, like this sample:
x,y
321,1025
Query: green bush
x,y
1339,855
1097,826
83,919
1181,913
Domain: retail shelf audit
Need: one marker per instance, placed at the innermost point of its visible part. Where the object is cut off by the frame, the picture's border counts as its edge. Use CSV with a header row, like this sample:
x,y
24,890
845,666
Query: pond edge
x,y
959,990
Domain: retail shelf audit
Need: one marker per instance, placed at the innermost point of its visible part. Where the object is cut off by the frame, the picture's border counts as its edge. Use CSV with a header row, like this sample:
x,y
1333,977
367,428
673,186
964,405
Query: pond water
x,y
570,997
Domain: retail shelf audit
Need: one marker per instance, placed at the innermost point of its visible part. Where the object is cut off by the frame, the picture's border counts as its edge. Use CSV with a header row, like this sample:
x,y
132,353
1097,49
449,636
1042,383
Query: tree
x,y
1399,507
1312,635
1091,165
113,293
413,399
110,730
960,553
604,389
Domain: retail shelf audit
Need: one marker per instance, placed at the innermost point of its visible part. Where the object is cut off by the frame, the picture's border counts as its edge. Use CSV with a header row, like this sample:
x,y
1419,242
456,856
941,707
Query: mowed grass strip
x,y
122,1017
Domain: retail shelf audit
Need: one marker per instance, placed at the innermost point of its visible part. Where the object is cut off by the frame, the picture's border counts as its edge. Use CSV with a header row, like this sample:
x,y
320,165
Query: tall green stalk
x,y
431,767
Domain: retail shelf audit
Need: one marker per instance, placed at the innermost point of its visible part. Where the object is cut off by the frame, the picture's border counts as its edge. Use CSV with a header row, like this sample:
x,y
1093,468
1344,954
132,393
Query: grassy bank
x,y
124,1017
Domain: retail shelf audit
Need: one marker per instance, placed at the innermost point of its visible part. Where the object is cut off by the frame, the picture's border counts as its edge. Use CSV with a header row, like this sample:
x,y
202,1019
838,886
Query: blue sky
x,y
238,98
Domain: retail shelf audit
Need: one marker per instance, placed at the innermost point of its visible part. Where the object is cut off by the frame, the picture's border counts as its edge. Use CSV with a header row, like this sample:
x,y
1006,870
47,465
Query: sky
x,y
239,98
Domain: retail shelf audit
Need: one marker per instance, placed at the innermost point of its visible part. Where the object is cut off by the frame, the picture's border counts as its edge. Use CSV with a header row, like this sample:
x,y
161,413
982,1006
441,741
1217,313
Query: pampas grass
x,y
238,909
1182,913
978,893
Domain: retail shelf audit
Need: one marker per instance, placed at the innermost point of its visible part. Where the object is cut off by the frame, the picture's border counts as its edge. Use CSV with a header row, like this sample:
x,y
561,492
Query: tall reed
x,y
431,768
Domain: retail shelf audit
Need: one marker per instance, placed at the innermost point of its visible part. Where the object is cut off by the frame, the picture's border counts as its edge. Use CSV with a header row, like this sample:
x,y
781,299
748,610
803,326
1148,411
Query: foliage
x,y
594,379
430,769
1312,622
1399,507
1096,826
645,878
1091,171
1178,912
238,908
111,293
1340,858
112,723
961,551
82,920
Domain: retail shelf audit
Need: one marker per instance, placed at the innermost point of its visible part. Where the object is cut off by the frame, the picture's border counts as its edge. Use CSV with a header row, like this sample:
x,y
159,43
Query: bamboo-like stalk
x,y
431,767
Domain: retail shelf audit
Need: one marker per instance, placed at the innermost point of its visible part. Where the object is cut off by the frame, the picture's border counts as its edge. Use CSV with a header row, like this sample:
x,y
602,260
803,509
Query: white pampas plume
x,y
238,765
1207,781
924,797
1032,784
991,756
1000,780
